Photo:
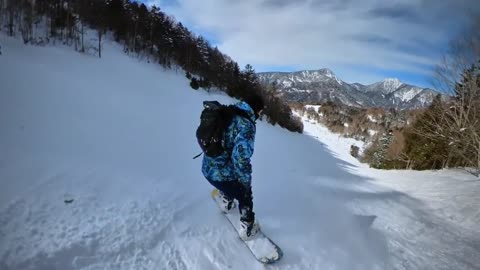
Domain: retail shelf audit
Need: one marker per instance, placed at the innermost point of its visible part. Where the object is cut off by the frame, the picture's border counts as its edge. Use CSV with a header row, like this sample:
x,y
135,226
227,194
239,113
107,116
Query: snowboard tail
x,y
262,247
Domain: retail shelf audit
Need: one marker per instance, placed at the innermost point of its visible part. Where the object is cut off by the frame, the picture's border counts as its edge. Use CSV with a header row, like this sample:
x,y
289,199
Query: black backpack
x,y
214,121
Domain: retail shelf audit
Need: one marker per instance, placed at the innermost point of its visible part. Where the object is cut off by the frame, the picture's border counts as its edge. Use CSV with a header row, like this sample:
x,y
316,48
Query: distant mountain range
x,y
315,86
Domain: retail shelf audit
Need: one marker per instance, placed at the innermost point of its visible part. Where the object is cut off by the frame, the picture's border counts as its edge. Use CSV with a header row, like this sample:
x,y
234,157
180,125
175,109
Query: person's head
x,y
255,101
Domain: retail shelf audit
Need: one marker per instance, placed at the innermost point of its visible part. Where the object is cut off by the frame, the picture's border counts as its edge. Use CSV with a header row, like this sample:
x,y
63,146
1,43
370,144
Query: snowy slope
x,y
430,219
116,136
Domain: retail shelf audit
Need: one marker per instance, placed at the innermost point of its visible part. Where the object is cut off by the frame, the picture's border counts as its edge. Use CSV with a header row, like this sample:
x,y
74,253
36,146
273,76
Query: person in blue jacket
x,y
231,172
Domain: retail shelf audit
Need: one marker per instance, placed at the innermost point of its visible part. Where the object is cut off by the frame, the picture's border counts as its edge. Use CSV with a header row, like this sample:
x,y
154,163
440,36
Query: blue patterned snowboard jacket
x,y
234,164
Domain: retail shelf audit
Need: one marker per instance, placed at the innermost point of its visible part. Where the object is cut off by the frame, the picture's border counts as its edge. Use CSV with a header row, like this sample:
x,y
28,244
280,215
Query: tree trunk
x,y
151,39
83,46
10,20
478,159
2,12
69,27
53,31
99,43
46,28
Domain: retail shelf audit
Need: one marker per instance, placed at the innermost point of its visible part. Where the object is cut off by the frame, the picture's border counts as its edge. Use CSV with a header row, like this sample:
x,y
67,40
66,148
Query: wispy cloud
x,y
345,35
399,11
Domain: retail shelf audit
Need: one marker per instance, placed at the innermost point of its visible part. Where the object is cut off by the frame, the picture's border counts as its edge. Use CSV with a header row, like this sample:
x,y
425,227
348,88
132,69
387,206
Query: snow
x,y
372,132
309,76
287,84
408,95
296,90
426,97
391,84
386,86
338,145
430,218
262,248
116,135
371,118
314,107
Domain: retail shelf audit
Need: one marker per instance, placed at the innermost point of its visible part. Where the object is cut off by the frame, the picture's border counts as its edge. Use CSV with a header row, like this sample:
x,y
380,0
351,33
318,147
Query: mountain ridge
x,y
322,85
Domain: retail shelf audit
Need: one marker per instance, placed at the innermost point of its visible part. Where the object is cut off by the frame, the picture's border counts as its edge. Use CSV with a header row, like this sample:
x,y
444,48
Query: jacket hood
x,y
245,107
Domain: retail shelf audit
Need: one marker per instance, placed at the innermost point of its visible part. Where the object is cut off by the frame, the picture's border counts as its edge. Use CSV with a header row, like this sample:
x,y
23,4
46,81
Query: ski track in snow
x,y
117,136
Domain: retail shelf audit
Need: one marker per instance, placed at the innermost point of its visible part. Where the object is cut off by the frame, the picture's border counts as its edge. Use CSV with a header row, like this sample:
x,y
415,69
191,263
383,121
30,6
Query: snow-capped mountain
x,y
313,86
304,76
386,86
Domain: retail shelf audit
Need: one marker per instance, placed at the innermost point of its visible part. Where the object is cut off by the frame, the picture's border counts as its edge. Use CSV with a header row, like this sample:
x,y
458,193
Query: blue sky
x,y
360,41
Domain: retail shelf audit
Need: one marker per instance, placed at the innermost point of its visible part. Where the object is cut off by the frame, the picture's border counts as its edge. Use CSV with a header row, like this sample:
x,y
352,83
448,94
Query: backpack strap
x,y
197,155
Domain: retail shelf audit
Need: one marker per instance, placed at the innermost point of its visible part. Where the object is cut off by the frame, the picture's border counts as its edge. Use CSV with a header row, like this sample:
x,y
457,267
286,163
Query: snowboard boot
x,y
226,203
248,230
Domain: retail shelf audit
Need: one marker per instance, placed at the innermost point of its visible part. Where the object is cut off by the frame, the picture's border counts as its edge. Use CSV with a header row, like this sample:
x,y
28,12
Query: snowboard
x,y
262,247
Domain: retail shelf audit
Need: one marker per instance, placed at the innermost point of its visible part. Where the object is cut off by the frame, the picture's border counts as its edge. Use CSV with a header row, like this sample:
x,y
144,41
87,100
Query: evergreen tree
x,y
380,155
423,148
143,31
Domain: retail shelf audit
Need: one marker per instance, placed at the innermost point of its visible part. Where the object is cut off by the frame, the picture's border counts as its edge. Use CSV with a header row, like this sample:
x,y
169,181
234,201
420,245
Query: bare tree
x,y
2,7
100,35
27,26
463,118
459,121
11,16
82,32
464,50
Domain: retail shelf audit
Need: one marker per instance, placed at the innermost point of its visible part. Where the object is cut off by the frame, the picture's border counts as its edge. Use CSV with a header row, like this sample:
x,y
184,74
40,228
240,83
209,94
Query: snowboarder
x,y
231,172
